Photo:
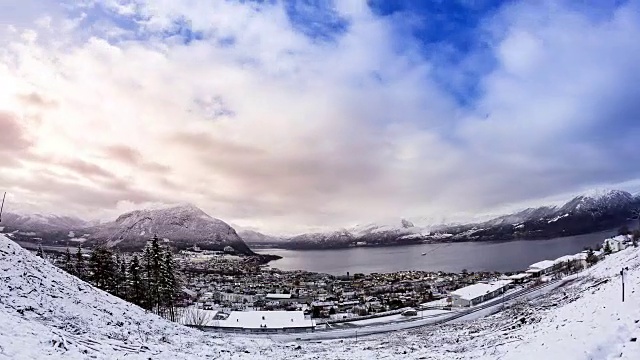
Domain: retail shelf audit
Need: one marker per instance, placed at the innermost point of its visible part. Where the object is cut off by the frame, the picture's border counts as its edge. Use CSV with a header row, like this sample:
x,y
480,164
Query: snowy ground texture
x,y
48,314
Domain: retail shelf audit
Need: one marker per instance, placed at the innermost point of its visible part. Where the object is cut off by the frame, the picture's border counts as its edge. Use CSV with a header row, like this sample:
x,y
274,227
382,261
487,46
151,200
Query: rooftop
x,y
266,319
476,290
278,296
520,276
544,264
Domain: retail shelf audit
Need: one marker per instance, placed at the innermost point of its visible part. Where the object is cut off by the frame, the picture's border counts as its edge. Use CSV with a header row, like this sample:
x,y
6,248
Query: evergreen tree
x,y
135,283
591,257
81,270
117,285
156,268
607,248
102,269
68,263
123,286
147,302
39,252
169,284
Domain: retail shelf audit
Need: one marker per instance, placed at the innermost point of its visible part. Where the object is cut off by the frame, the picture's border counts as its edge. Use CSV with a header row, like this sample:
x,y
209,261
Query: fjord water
x,y
452,257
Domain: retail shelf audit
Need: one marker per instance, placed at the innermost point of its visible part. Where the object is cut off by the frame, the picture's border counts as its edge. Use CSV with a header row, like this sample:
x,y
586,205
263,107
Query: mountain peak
x,y
600,193
183,224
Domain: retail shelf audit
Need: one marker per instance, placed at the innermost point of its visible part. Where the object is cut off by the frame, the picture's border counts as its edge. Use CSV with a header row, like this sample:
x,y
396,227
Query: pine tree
x,y
68,263
81,270
39,252
591,257
102,269
153,272
169,284
148,279
135,283
607,248
123,286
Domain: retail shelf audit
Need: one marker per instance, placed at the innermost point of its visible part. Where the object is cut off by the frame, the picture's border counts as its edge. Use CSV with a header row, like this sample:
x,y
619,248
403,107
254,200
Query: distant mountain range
x,y
186,225
591,212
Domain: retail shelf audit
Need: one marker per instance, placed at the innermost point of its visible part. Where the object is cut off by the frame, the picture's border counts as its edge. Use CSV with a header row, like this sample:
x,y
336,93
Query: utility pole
x,y
622,274
2,206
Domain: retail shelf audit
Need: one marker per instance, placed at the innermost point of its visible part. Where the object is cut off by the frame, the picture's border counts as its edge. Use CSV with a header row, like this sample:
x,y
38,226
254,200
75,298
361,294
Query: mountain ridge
x,y
584,213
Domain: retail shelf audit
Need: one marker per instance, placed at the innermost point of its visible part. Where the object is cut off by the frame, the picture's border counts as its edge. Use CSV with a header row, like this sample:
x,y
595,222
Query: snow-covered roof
x,y
278,296
564,258
266,319
541,265
520,276
619,238
476,290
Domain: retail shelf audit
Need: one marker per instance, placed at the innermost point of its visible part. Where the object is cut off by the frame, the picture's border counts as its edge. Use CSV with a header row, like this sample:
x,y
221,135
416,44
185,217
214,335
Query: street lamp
x,y
622,275
2,206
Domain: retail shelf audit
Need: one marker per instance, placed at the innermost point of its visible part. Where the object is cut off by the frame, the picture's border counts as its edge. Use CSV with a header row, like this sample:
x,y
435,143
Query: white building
x,y
519,278
616,243
541,268
278,296
265,321
477,293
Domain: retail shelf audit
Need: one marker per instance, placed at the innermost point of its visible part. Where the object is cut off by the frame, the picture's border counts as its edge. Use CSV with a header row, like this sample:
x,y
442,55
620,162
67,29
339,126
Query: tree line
x,y
150,281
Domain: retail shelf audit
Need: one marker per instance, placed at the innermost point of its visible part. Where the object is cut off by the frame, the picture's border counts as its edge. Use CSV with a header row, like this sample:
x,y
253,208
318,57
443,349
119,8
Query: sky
x,y
308,115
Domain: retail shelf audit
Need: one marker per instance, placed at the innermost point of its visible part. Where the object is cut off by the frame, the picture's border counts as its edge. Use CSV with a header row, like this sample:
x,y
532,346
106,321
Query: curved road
x,y
489,307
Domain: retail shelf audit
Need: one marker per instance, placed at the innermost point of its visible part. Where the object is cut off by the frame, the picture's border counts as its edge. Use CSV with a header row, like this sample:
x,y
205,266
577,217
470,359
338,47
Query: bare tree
x,y
198,318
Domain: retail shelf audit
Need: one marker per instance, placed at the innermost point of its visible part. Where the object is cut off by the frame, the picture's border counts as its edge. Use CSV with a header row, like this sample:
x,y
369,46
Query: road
x,y
482,310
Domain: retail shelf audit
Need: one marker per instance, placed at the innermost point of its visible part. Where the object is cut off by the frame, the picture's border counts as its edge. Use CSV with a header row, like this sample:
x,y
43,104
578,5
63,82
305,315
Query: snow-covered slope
x,y
184,225
48,314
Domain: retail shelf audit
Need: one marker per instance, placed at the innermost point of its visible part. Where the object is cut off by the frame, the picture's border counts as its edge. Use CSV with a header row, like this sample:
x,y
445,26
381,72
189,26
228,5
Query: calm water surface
x,y
473,256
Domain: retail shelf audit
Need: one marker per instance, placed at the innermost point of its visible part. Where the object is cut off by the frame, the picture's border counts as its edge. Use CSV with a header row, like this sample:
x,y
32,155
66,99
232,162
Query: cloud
x,y
13,137
289,118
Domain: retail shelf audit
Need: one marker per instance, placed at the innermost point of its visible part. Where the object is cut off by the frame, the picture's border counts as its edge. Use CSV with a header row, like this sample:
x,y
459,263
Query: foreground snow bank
x,y
46,313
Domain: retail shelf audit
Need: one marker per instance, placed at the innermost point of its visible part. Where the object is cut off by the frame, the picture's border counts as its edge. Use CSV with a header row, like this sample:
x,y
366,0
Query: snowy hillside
x,y
48,314
184,226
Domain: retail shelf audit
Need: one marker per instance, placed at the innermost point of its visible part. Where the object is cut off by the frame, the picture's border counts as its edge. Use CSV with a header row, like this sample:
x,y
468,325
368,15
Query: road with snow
x,y
484,309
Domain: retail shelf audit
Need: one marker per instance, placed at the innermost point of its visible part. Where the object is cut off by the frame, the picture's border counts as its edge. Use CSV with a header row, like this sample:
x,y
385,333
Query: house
x,y
519,278
477,293
541,268
615,244
263,321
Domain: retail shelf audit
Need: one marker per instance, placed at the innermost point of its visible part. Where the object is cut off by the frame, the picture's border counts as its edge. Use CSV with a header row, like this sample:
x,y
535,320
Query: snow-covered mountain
x,y
41,222
588,212
599,201
258,238
46,313
184,225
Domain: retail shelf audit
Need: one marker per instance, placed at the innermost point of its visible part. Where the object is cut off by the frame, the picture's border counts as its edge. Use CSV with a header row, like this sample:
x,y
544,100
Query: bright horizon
x,y
288,117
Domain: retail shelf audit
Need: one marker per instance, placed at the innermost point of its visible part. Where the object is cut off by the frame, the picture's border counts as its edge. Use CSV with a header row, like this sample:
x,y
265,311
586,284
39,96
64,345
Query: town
x,y
224,291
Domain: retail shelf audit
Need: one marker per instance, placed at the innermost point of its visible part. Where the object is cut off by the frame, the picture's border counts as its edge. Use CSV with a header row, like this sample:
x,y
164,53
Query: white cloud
x,y
278,130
